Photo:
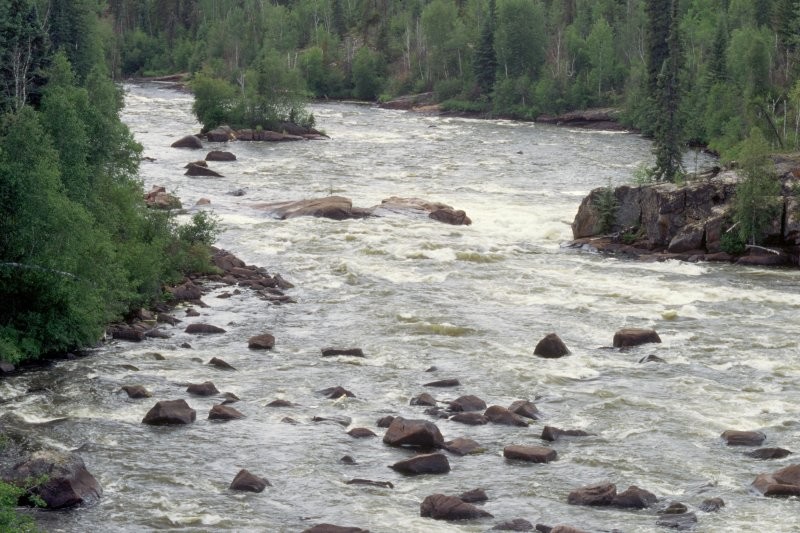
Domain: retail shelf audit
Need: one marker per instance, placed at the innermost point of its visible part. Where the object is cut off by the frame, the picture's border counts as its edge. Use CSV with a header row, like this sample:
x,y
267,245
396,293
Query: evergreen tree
x,y
485,57
24,53
717,64
659,15
667,142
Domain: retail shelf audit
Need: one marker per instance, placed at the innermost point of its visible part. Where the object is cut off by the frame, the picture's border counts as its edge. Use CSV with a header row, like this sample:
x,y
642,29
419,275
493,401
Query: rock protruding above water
x,y
203,329
465,403
628,337
218,155
500,415
245,481
783,482
413,433
337,392
551,347
207,388
221,364
733,437
531,454
353,352
136,391
224,412
442,507
170,412
159,198
769,453
341,208
361,433
517,524
423,399
63,480
193,169
431,463
462,446
711,505
330,528
471,418
525,408
634,498
261,342
605,494
449,382
190,141
552,434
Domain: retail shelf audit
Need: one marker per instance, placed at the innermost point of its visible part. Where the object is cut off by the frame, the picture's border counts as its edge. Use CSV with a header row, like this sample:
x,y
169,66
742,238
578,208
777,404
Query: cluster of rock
x,y
286,132
341,208
666,221
595,119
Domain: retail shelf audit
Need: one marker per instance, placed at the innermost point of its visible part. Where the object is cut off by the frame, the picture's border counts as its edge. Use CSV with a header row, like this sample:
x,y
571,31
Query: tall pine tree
x,y
485,56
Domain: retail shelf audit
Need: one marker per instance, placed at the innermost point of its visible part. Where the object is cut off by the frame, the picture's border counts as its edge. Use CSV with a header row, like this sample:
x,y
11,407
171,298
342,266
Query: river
x,y
413,293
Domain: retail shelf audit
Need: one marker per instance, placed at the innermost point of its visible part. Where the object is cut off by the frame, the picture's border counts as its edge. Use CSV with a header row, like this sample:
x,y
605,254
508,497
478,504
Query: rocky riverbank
x,y
688,222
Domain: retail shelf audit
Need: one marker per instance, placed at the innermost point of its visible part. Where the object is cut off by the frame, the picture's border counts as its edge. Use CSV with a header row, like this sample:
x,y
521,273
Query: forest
x,y
736,61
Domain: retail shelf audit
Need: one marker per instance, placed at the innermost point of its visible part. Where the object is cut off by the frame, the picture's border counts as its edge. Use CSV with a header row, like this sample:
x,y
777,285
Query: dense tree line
x,y
78,247
736,67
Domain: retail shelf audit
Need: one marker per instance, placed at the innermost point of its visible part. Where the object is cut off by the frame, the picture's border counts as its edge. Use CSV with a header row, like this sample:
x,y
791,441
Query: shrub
x,y
605,204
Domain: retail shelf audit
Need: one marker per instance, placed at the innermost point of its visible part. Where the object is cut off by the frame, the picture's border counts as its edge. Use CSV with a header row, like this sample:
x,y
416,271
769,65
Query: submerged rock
x,y
472,418
517,524
451,382
423,399
369,482
441,507
711,505
330,528
61,477
361,433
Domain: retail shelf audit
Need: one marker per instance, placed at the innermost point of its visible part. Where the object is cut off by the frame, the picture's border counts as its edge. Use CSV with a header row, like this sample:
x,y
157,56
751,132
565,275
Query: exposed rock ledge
x,y
341,208
286,131
597,119
664,221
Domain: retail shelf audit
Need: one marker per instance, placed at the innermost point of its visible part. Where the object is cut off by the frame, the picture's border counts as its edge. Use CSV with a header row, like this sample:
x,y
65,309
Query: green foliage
x,y
367,70
732,243
10,520
485,65
216,101
606,205
756,203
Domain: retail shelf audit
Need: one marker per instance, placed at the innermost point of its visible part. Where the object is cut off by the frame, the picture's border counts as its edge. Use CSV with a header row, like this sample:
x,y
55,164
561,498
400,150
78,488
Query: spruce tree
x,y
485,56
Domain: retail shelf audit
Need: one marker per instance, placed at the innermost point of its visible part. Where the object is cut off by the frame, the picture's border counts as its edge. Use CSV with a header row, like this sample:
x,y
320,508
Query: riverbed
x,y
412,293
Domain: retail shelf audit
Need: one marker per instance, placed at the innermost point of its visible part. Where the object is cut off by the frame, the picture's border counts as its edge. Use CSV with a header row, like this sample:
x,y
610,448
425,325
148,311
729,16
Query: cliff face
x,y
691,219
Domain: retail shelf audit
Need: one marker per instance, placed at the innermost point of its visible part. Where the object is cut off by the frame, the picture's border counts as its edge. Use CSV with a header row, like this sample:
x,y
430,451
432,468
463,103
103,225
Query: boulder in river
x,y
711,505
336,392
463,446
423,399
525,408
218,155
769,453
500,415
550,433
220,134
371,483
413,433
783,482
361,433
170,412
333,207
627,337
159,198
206,388
385,422
193,169
473,496
455,217
201,329
136,391
470,418
190,141
634,498
419,207
551,347
6,367
431,463
733,437
219,363
61,479
517,524
186,292
261,342
600,494
442,507
467,403
531,454
224,412
451,382
331,528
245,481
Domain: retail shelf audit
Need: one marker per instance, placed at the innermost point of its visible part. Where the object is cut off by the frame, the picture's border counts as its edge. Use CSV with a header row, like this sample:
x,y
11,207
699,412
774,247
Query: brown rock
x,y
261,342
361,433
431,463
203,201
451,216
336,392
769,453
164,318
681,522
127,333
601,494
552,434
441,507
471,418
423,399
219,363
217,155
333,207
199,170
443,383
220,135
566,529
784,482
170,412
473,496
525,408
531,454
413,433
634,337
500,415
245,481
385,422
136,391
551,347
61,479
517,524
206,388
280,403
462,446
342,420
190,141
200,329
198,163
711,505
223,412
743,438
467,403
634,498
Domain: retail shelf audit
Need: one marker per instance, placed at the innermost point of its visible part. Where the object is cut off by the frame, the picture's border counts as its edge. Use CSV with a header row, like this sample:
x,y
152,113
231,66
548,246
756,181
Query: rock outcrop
x,y
159,198
61,477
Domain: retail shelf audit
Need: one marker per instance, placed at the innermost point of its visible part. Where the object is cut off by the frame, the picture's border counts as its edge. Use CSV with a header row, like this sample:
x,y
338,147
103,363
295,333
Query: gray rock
x,y
245,481
170,412
634,337
63,480
441,507
431,463
531,454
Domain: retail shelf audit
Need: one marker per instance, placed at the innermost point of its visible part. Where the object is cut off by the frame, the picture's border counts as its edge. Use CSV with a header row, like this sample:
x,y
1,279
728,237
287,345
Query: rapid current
x,y
472,301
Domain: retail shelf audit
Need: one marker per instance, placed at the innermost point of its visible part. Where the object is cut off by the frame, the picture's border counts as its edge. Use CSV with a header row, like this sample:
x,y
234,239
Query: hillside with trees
x,y
732,64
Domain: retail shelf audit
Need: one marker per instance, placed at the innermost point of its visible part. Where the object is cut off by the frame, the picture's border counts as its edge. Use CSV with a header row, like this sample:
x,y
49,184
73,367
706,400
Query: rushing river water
x,y
413,293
